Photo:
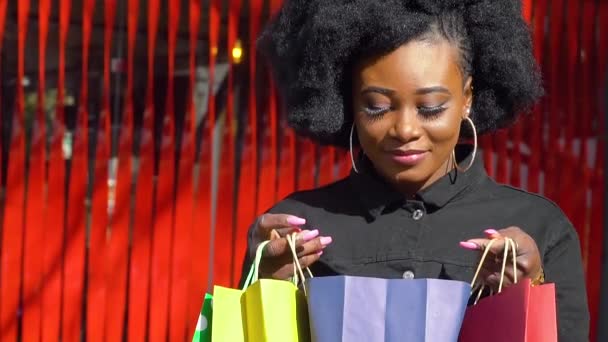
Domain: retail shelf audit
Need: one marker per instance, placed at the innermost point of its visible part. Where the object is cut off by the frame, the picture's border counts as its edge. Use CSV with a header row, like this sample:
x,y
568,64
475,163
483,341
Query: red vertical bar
x,y
179,320
199,230
96,291
12,239
287,166
268,149
224,241
165,205
516,138
564,183
116,263
596,235
139,275
589,108
74,264
247,190
502,156
326,165
285,183
35,208
202,214
344,163
536,122
305,171
516,132
222,258
268,154
487,145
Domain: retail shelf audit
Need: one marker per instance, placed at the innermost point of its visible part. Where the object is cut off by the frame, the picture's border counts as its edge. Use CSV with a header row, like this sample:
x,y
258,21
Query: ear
x,y
468,97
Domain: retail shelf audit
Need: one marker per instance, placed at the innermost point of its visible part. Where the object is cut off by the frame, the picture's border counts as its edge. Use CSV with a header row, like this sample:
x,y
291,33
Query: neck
x,y
409,190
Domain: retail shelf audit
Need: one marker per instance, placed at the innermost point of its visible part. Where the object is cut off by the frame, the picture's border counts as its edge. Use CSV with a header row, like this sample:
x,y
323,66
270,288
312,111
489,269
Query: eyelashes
x,y
426,113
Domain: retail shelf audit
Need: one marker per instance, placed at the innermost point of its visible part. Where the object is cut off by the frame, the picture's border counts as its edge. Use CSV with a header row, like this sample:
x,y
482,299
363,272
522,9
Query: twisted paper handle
x,y
509,244
297,268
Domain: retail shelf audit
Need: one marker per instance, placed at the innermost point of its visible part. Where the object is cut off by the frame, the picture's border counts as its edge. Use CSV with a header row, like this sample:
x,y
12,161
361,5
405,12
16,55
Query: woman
x,y
409,81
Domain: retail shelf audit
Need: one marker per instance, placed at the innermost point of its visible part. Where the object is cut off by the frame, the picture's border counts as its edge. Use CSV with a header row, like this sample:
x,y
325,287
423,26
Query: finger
x,y
314,246
276,248
279,246
268,222
492,233
496,248
308,260
283,232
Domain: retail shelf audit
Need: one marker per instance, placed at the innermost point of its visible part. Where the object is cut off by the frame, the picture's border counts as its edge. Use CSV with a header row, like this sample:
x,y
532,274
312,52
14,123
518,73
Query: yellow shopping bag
x,y
264,310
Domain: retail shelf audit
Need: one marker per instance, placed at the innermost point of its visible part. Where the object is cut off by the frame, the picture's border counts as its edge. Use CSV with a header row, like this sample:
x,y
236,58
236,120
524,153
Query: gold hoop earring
x,y
474,149
352,158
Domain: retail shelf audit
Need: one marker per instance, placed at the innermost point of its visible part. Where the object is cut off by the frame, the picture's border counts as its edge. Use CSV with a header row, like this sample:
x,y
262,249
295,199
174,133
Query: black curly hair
x,y
312,46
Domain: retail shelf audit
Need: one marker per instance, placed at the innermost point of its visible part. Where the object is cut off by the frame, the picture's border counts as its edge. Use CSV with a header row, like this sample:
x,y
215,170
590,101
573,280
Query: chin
x,y
413,175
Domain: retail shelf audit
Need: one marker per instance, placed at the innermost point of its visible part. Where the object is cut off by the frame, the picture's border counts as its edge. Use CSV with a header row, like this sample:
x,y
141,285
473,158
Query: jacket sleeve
x,y
563,266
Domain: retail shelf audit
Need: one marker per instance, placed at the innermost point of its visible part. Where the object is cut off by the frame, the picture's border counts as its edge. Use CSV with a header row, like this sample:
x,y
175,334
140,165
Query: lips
x,y
407,152
408,157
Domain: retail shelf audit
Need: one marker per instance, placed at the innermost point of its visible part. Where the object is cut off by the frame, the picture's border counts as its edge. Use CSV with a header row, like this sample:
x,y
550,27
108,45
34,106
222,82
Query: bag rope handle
x,y
509,245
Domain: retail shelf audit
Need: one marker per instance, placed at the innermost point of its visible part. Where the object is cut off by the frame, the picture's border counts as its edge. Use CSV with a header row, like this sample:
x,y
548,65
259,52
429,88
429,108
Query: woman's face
x,y
409,105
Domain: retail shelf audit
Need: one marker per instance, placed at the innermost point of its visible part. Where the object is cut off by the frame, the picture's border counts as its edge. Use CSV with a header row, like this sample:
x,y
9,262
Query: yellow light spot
x,y
237,52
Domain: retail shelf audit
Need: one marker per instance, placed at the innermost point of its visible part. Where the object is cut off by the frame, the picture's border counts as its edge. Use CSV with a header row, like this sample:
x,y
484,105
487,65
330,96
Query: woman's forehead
x,y
419,63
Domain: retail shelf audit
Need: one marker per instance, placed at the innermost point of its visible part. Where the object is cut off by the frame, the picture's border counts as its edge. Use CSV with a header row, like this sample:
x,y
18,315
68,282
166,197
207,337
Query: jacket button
x,y
417,215
408,275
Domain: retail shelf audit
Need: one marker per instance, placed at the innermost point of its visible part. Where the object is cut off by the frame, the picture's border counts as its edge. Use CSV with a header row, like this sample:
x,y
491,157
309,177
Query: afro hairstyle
x,y
312,46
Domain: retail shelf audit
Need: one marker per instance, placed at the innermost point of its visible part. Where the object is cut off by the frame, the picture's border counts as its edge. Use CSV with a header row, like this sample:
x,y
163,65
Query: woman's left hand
x,y
529,263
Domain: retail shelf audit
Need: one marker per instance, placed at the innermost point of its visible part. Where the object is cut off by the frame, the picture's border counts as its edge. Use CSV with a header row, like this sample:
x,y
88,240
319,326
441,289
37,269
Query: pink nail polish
x,y
308,235
491,231
320,253
296,221
469,245
326,240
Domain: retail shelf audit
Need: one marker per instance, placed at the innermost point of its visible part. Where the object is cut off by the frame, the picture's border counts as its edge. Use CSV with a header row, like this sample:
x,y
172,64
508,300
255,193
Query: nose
x,y
407,126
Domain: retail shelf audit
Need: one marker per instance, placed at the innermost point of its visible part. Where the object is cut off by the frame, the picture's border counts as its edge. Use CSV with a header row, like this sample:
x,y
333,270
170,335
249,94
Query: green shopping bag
x,y
265,310
203,327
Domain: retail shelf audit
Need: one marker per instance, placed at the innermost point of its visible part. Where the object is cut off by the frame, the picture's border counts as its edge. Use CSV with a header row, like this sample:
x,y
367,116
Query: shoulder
x,y
337,194
540,204
549,219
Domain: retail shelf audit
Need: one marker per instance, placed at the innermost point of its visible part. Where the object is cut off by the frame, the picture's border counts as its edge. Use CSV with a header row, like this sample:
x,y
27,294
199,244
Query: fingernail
x,y
469,245
326,240
308,235
296,221
491,231
320,253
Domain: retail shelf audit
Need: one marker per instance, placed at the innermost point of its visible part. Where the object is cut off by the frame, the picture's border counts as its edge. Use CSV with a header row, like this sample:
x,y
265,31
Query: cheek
x,y
372,132
444,129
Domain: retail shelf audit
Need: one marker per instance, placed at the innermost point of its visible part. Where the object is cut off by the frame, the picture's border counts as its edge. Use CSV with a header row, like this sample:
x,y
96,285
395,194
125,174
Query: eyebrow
x,y
437,89
421,91
383,91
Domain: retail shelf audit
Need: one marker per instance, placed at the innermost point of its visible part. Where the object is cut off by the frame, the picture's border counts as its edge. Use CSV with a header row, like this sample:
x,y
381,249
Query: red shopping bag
x,y
519,313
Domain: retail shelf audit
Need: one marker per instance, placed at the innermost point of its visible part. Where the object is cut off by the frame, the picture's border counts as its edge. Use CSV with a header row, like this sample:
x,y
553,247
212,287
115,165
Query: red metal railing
x,y
134,256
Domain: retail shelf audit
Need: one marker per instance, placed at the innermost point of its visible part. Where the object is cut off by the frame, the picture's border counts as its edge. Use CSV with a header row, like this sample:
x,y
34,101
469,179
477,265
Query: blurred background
x,y
141,138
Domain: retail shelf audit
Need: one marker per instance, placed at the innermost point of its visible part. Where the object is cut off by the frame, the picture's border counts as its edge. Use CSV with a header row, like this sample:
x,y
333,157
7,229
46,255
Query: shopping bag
x,y
346,308
264,310
521,312
203,326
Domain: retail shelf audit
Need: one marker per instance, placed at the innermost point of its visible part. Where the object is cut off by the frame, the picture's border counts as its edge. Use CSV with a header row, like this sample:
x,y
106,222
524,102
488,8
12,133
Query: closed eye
x,y
376,110
431,113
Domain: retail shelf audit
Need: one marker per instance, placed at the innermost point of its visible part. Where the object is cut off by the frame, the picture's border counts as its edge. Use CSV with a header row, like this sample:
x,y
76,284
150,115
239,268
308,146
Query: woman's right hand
x,y
277,260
